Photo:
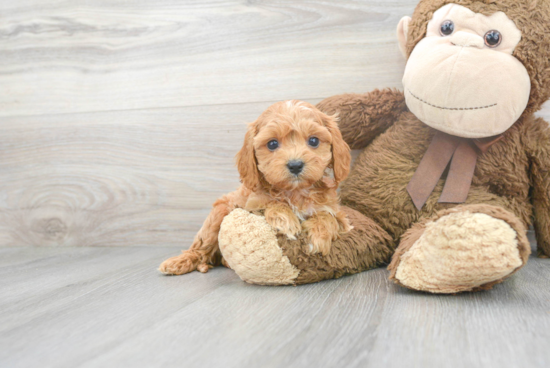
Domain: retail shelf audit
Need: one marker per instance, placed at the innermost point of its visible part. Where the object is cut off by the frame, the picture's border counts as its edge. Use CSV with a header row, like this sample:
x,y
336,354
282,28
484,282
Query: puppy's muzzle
x,y
295,166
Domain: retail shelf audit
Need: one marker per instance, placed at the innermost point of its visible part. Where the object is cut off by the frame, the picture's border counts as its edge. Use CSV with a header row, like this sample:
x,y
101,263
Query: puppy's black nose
x,y
295,166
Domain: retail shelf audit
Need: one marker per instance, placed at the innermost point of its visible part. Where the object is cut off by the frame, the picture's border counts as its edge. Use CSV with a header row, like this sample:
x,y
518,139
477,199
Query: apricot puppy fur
x,y
283,166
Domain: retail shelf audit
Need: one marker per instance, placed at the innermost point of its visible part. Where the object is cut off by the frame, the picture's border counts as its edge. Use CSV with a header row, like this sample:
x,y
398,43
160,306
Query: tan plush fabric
x,y
458,85
249,246
402,33
531,17
476,254
459,252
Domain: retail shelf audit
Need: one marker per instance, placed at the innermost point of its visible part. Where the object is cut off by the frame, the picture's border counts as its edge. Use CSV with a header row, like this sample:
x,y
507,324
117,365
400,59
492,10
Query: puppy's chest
x,y
302,206
306,205
303,213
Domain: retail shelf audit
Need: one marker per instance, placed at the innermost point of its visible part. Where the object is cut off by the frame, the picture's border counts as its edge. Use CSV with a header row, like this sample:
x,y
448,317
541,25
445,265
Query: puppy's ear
x,y
246,160
341,156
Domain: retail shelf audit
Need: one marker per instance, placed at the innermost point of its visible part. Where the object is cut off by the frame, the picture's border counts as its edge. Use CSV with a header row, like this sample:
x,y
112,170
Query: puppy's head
x,y
290,146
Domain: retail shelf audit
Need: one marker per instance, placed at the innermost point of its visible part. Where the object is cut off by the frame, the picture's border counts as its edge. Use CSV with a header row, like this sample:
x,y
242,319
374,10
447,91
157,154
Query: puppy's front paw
x,y
284,221
322,229
319,245
344,226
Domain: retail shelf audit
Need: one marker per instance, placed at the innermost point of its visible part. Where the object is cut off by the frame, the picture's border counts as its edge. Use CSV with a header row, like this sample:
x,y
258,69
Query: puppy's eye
x,y
493,38
447,28
313,142
272,145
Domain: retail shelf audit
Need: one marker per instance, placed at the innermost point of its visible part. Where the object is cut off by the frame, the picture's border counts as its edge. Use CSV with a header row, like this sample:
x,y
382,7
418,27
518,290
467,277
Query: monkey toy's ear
x,y
402,32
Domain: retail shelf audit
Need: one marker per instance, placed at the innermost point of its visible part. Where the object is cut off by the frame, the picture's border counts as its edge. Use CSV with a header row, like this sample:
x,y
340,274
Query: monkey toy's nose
x,y
295,166
467,39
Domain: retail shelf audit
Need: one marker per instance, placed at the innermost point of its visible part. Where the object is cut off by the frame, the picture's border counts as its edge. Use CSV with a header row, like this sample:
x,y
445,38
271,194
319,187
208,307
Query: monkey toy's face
x,y
462,78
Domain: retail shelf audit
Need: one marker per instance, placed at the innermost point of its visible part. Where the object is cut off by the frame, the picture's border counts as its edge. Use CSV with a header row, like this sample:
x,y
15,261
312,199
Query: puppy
x,y
284,168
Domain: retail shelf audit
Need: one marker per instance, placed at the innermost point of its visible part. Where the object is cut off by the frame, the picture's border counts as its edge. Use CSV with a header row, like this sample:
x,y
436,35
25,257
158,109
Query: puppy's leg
x,y
344,225
281,217
204,252
200,255
322,228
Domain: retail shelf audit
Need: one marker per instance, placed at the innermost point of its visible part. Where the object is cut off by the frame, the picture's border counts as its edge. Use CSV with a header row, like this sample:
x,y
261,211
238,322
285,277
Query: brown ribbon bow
x,y
445,148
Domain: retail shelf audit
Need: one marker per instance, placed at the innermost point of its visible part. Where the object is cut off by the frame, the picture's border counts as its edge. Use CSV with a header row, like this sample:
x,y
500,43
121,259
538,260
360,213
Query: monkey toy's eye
x,y
447,28
493,38
272,145
313,142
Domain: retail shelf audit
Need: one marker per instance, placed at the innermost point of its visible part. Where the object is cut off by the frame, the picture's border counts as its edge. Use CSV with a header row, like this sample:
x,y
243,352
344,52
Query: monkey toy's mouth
x,y
454,77
450,108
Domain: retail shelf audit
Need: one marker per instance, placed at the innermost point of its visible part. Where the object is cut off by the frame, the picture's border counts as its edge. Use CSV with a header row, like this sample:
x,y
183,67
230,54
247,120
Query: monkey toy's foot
x,y
250,247
467,248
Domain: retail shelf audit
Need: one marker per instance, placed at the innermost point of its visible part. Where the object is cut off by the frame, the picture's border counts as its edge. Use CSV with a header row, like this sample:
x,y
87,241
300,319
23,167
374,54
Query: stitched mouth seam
x,y
450,108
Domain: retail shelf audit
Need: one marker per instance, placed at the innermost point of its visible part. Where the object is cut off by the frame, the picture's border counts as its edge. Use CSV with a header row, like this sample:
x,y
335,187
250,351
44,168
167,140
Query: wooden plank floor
x,y
109,307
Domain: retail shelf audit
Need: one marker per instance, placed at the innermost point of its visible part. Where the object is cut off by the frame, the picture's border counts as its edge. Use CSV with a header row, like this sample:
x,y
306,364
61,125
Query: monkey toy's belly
x,y
377,183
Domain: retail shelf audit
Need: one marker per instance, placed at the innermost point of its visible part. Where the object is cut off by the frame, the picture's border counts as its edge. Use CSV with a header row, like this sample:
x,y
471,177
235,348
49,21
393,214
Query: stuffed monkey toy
x,y
453,170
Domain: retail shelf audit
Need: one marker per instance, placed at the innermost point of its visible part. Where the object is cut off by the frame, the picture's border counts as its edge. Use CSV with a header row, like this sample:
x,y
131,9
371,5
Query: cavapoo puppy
x,y
283,166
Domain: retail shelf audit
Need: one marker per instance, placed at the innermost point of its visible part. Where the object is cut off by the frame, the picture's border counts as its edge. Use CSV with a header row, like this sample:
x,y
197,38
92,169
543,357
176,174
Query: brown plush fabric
x,y
505,175
532,17
366,115
537,142
416,231
365,247
511,180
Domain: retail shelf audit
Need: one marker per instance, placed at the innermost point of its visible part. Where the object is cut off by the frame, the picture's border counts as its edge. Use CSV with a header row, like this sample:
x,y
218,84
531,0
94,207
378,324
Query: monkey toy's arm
x,y
538,149
362,117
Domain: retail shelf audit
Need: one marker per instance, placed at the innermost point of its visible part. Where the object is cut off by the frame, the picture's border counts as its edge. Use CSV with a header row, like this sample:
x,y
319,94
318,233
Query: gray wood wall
x,y
119,119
